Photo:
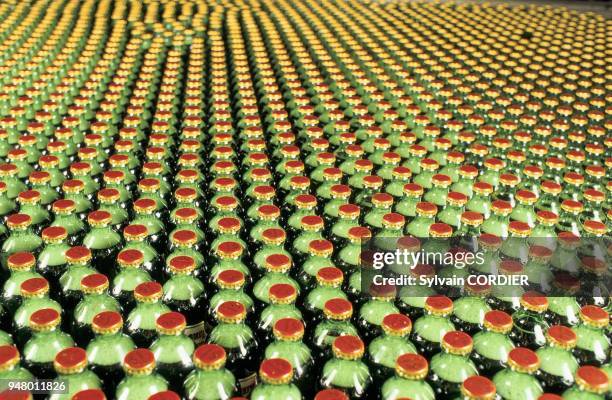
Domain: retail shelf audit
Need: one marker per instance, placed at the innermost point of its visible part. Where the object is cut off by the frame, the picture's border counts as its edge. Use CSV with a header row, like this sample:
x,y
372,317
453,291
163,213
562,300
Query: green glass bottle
x,y
108,348
469,310
524,209
384,350
288,334
329,281
592,383
173,349
451,367
478,387
277,267
230,255
47,340
409,380
141,320
276,375
30,204
65,216
338,313
375,309
282,305
480,202
136,237
239,343
78,259
467,175
71,367
381,204
346,371
210,380
52,259
34,293
95,300
102,239
140,381
593,346
109,200
145,214
75,190
515,247
497,223
185,242
492,345
419,226
557,363
319,256
518,382
231,284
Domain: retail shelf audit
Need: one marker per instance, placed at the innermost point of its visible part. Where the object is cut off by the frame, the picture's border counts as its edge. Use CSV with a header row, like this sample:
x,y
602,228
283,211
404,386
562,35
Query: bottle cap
x,y
456,199
115,176
288,329
501,207
340,192
229,250
29,197
523,360
547,217
510,267
349,210
441,180
78,255
299,182
94,283
264,192
273,236
457,342
139,362
89,394
209,357
21,261
9,357
401,172
18,221
185,215
396,324
148,292
165,395
426,209
34,287
338,309
413,189
478,388
440,230
108,195
305,201
282,293
171,323
312,223
276,371
229,225
561,336
439,305
348,347
594,265
230,279
330,276
595,227
572,206
550,396
107,322
498,321
594,195
408,243
54,234
320,247
393,221
482,188
509,179
594,316
226,203
534,301
99,218
231,312
471,218
277,262
359,233
70,360
63,206
44,319
592,379
468,171
185,194
526,197
412,366
519,228
331,394
382,200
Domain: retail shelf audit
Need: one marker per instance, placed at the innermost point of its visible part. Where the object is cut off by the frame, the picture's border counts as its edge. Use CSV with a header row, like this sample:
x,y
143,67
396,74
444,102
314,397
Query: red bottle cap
x,y
478,387
412,366
94,283
348,347
231,312
321,247
54,233
44,319
550,396
99,218
534,301
349,210
170,323
425,208
277,262
356,233
70,360
523,360
34,287
393,220
331,394
165,395
274,236
229,225
413,189
139,362
230,279
185,194
78,254
561,336
592,379
15,395
305,201
382,200
312,222
18,221
63,206
209,356
397,324
89,394
498,321
148,292
338,309
108,195
21,261
439,305
519,228
276,371
594,316
229,249
107,322
184,237
9,357
145,205
289,329
457,342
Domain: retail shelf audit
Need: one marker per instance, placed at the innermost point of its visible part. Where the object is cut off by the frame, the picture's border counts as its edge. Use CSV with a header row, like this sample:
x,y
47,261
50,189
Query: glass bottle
x,y
557,363
419,227
140,381
385,349
21,238
592,383
141,320
338,313
21,268
210,380
35,296
519,381
71,367
239,343
78,259
451,367
346,371
136,238
173,349
408,203
52,259
524,211
108,348
277,267
103,241
66,217
130,274
276,375
429,329
231,284
593,346
10,366
492,345
530,321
